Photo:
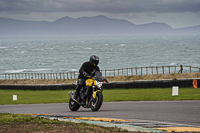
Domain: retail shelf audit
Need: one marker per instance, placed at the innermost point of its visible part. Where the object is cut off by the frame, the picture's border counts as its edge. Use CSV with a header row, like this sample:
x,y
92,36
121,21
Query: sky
x,y
176,13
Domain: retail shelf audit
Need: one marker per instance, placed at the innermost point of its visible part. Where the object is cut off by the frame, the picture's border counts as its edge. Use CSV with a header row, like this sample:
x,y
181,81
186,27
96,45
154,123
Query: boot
x,y
76,93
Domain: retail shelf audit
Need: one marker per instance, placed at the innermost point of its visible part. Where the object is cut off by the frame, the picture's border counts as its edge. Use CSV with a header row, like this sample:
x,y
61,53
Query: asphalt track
x,y
181,112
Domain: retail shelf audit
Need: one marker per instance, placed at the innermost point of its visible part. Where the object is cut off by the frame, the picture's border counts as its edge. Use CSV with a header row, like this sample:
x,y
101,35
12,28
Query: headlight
x,y
98,84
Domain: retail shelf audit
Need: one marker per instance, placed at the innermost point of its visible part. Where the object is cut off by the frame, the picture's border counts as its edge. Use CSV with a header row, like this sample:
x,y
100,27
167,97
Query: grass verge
x,y
25,123
61,96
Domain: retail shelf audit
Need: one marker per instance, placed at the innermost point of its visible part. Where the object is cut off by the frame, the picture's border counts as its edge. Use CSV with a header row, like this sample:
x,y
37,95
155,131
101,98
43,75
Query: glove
x,y
86,75
93,72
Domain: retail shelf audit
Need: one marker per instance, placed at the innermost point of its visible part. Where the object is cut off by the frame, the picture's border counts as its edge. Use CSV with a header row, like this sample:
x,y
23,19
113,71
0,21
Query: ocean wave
x,y
88,48
2,47
74,70
172,64
15,71
26,70
34,70
22,52
122,45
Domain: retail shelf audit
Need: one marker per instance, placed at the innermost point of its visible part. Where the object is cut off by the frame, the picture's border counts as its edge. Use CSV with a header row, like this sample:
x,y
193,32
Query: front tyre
x,y
97,102
73,106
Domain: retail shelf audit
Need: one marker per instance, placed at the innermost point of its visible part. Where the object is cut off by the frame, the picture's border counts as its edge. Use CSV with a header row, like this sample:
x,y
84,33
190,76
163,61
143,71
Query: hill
x,y
87,26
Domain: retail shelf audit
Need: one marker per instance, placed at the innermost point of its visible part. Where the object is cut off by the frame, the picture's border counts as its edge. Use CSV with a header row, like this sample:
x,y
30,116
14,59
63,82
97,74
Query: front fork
x,y
94,92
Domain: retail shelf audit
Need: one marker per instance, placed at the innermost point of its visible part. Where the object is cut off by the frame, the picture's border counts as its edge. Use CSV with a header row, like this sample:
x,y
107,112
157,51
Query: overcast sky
x,y
176,13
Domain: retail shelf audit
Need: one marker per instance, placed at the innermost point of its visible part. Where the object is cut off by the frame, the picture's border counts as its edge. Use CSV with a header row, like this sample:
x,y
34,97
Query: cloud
x,y
105,6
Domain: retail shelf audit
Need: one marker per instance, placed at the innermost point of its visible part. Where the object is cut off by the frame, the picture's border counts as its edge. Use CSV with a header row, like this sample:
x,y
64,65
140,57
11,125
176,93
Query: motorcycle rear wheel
x,y
97,102
73,106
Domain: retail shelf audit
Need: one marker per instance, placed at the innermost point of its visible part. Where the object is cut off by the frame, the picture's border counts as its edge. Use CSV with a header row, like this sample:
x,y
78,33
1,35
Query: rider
x,y
87,69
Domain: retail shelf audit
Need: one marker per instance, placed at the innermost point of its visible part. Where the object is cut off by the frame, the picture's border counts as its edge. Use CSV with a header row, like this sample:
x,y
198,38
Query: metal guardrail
x,y
106,73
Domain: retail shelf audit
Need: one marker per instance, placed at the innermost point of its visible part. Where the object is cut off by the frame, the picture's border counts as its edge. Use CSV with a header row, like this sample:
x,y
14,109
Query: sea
x,y
66,54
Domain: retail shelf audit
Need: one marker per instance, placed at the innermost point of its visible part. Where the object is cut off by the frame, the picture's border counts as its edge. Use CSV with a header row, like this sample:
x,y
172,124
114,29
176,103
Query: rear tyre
x,y
73,106
97,102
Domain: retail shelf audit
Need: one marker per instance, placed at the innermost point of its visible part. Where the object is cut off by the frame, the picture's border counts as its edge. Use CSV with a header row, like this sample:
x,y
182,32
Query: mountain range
x,y
87,26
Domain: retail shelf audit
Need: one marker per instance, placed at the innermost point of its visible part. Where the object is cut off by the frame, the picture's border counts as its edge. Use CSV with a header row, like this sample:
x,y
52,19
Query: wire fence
x,y
106,73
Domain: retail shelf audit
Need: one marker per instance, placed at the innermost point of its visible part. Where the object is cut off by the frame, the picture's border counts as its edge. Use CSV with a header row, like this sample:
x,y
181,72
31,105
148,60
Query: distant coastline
x,y
87,26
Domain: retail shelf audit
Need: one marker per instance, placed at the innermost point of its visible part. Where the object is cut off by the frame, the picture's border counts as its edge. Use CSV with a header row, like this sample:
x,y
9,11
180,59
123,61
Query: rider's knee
x,y
81,82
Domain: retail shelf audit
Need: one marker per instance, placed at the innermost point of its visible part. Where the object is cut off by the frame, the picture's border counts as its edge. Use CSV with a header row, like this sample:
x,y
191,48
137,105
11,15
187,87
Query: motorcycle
x,y
91,92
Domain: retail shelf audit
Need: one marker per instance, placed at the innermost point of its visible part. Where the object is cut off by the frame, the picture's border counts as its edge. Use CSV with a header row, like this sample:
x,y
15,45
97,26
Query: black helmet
x,y
94,60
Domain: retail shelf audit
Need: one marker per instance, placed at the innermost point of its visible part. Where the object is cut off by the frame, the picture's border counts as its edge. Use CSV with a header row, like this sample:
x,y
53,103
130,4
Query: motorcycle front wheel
x,y
73,106
97,102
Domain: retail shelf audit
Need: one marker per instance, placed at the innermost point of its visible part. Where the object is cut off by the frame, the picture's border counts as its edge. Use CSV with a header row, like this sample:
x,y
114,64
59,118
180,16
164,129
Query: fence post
x,y
73,75
131,71
63,76
175,69
136,71
146,71
157,69
163,69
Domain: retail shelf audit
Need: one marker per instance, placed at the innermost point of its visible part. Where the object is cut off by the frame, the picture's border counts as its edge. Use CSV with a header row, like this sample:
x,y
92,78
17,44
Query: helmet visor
x,y
96,62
